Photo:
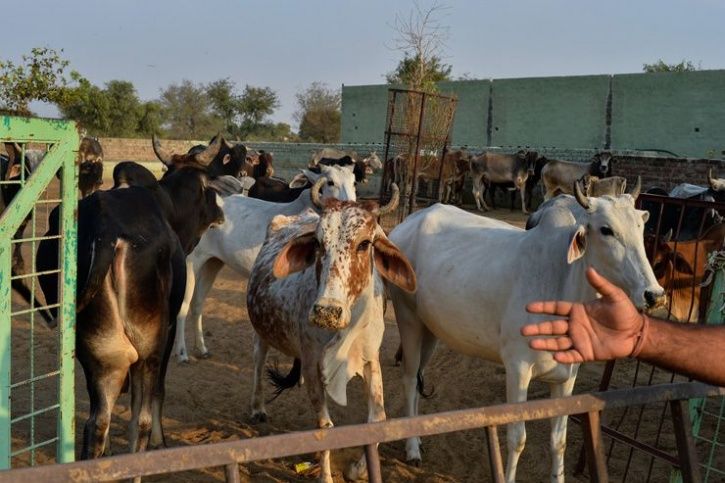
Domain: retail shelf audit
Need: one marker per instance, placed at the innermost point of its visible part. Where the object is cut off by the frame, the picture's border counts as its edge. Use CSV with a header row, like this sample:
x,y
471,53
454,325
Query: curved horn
x,y
710,180
667,237
207,156
163,155
581,198
315,192
393,203
227,144
637,188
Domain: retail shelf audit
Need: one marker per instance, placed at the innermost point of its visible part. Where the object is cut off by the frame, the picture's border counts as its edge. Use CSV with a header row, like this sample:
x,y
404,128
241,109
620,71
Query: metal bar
x,y
416,158
65,451
5,352
283,445
33,447
35,309
372,458
34,413
685,444
494,454
231,473
40,238
34,379
33,274
595,447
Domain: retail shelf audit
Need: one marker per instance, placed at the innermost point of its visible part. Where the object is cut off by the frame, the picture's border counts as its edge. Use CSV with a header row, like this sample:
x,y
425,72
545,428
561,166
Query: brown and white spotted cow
x,y
316,293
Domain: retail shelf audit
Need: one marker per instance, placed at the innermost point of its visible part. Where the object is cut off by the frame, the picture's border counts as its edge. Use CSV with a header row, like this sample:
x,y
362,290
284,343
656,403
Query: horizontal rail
x,y
33,447
34,379
35,413
688,202
283,445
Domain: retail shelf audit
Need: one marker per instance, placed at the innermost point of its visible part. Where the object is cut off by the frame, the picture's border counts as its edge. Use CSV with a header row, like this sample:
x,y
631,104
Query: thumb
x,y
602,285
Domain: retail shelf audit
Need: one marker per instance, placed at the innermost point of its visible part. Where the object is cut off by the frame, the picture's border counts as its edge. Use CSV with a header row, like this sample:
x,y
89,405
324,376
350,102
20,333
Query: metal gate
x,y
37,403
417,136
695,296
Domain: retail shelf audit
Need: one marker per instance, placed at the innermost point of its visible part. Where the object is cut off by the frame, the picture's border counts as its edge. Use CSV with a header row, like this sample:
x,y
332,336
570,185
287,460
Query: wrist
x,y
640,338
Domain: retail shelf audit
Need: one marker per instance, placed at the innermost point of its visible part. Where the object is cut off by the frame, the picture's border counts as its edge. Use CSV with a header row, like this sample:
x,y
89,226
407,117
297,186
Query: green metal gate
x,y
37,402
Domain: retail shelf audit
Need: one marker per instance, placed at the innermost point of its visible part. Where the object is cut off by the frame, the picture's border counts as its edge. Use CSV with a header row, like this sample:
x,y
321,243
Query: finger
x,y
552,307
602,285
568,357
549,327
553,344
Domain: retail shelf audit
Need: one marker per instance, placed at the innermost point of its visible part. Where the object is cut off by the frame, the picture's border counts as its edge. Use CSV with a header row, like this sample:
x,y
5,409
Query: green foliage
x,y
661,66
150,119
420,75
319,113
257,103
270,131
226,103
88,105
39,77
125,108
188,112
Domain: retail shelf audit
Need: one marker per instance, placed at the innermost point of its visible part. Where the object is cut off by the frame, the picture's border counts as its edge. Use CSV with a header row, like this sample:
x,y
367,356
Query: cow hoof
x,y
182,359
205,355
415,462
259,418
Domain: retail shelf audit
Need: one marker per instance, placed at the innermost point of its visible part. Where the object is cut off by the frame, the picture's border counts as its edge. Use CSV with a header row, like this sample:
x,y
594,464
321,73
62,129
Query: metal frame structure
x,y
230,454
61,139
416,122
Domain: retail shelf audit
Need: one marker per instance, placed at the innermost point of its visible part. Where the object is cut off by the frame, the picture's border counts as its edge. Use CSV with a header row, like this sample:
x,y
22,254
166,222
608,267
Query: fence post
x,y
595,447
494,454
231,473
372,458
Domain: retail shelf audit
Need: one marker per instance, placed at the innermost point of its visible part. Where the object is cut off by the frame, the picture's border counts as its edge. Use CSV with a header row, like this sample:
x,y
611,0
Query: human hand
x,y
602,329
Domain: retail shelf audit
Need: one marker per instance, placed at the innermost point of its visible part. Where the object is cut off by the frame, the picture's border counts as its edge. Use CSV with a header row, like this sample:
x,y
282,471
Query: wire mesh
x,y
36,378
679,237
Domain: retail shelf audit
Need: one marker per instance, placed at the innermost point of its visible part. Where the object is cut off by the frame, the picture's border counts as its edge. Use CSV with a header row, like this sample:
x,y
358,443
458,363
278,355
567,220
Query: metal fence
x,y
37,406
231,454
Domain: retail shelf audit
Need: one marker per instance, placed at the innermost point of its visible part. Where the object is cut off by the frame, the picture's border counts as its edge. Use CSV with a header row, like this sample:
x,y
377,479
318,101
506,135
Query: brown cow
x,y
680,269
456,164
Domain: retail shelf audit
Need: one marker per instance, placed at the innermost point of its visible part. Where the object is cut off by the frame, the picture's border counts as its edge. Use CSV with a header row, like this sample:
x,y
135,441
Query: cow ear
x,y
682,265
393,265
645,216
297,254
227,157
303,179
577,245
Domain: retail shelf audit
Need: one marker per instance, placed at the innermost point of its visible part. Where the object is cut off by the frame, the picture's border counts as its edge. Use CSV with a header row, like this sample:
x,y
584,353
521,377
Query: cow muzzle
x,y
655,299
329,314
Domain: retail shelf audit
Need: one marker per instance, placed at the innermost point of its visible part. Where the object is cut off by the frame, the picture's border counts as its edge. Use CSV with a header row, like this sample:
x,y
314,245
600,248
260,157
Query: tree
x,y
661,66
188,112
319,113
255,104
88,105
226,103
40,77
150,118
125,108
421,38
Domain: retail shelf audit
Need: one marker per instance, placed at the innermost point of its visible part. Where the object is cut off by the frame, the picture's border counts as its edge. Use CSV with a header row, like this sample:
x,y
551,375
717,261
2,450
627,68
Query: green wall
x,y
683,113
679,112
566,112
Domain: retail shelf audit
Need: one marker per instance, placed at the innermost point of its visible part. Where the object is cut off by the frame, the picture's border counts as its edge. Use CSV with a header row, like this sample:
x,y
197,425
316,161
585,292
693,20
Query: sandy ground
x,y
208,401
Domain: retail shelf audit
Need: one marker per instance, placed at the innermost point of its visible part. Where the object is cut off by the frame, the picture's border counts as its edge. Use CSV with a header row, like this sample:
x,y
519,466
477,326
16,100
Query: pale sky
x,y
287,44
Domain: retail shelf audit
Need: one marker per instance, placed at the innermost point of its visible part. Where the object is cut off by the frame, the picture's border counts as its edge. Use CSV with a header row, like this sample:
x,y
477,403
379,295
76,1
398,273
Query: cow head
x,y
264,166
717,185
610,238
373,161
528,158
339,181
666,262
601,164
90,177
345,247
195,157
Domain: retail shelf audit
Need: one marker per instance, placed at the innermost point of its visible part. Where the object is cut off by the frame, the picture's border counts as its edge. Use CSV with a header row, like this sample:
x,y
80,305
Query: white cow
x,y
238,240
476,275
316,293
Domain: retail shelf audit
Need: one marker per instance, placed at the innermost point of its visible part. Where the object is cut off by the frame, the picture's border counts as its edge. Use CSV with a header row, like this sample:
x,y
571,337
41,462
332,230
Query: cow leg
x,y
316,392
104,386
478,194
259,413
518,377
376,412
558,431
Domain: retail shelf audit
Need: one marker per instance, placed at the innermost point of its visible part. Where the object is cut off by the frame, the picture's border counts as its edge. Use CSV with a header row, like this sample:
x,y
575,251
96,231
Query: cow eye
x,y
330,183
606,231
363,246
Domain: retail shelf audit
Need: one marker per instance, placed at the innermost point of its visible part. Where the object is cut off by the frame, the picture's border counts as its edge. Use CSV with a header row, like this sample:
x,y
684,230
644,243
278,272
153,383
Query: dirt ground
x,y
208,401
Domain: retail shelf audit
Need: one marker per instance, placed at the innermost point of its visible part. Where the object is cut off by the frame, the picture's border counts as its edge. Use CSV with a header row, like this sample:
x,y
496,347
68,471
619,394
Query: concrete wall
x,y
683,113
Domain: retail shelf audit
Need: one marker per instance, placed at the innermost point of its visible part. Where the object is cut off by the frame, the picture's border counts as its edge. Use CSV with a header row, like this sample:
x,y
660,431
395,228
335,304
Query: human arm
x,y
611,327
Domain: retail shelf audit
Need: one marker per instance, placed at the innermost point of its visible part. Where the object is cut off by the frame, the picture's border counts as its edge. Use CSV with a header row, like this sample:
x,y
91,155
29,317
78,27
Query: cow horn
x,y
315,192
393,203
163,155
637,188
207,156
581,198
668,236
710,180
227,144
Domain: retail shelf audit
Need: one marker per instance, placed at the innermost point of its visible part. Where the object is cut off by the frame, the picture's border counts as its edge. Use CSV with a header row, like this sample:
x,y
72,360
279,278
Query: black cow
x,y
277,190
132,244
90,159
359,168
220,157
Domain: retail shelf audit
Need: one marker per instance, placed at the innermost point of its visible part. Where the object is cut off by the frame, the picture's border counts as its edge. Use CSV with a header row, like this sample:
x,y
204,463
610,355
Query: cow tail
x,y
103,251
420,386
283,382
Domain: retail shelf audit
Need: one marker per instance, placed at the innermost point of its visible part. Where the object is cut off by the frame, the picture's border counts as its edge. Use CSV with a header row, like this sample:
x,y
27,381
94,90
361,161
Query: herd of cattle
x,y
321,268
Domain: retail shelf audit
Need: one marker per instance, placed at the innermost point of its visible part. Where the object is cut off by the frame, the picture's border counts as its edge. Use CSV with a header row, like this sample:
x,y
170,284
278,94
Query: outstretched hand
x,y
602,329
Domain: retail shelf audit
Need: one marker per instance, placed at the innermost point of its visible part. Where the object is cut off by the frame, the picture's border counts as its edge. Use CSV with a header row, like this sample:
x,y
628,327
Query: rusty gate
x,y
684,243
417,136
